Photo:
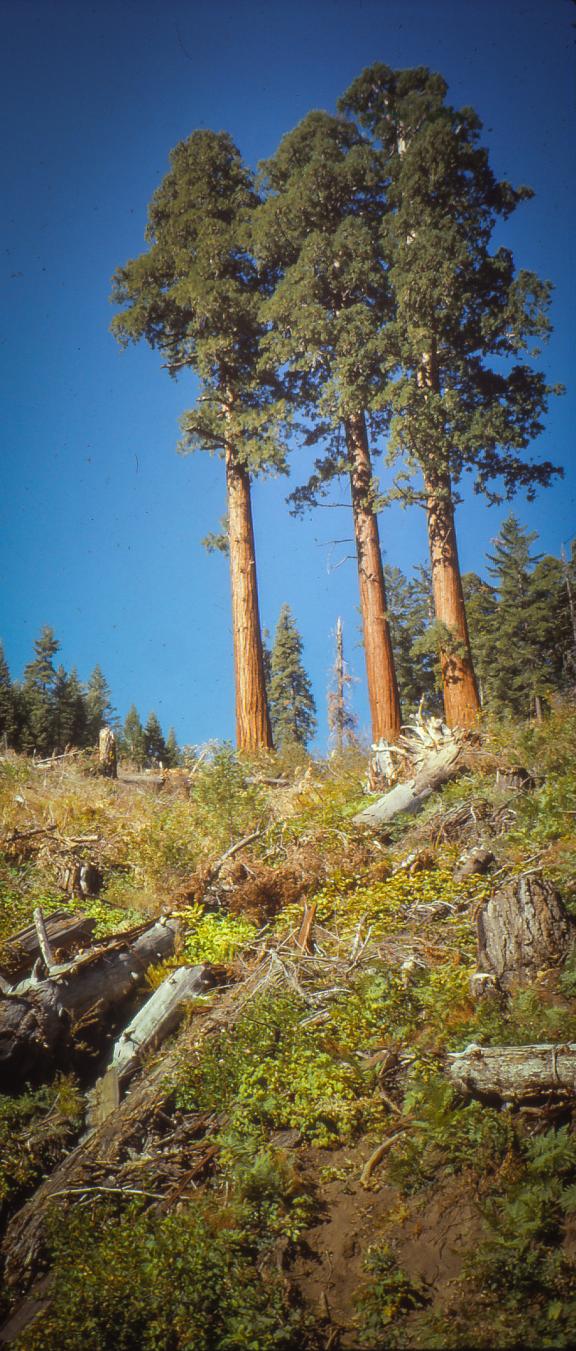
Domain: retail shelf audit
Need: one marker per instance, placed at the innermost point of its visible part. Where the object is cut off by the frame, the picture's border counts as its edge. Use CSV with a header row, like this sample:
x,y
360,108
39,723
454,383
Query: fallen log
x,y
522,930
65,932
160,1016
439,767
46,1023
515,1073
132,1147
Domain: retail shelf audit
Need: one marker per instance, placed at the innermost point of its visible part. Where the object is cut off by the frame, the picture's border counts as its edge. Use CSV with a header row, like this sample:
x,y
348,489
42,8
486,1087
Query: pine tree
x,y
37,695
454,307
133,738
342,722
99,709
292,706
154,743
172,756
196,296
8,714
518,677
69,711
482,614
318,232
410,608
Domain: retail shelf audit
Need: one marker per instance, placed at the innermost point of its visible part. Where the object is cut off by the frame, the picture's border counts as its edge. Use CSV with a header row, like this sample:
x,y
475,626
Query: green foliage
x,y
133,738
290,698
387,1297
266,1186
447,1136
225,807
268,1074
189,1282
34,1129
214,938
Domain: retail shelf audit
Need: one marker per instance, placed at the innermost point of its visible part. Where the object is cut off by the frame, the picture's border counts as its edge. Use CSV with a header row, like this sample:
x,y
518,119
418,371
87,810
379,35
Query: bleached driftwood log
x,y
523,929
157,1020
439,767
159,1017
42,1020
515,1073
65,932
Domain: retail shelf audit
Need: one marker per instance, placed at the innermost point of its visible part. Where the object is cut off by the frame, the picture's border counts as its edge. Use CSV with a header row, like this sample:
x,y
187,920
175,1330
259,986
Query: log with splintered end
x,y
440,766
42,1020
515,1073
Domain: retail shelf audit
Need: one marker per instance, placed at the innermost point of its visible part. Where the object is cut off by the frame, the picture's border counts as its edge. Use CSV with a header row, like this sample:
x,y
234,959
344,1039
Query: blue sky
x,y
101,521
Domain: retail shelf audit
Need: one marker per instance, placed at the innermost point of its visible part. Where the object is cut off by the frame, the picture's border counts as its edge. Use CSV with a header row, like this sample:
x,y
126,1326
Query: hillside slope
x,y
295,1168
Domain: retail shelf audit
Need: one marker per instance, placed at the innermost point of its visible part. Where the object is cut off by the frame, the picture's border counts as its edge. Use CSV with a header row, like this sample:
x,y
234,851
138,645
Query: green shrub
x,y
188,1282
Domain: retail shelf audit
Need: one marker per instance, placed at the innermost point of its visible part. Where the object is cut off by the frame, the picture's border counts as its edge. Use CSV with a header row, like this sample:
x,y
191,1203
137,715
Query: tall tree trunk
x,y
380,671
461,700
253,730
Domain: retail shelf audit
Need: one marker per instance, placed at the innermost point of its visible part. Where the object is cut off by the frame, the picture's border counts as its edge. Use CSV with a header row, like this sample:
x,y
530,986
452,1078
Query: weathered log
x,y
42,1020
159,1017
523,929
66,932
440,766
515,1073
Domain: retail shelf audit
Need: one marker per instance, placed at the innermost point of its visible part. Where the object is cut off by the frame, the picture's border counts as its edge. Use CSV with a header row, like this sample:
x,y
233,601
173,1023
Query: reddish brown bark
x,y
380,671
253,730
461,700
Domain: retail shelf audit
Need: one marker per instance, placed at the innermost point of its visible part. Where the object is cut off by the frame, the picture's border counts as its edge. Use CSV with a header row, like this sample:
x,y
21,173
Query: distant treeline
x,y
521,621
52,709
522,626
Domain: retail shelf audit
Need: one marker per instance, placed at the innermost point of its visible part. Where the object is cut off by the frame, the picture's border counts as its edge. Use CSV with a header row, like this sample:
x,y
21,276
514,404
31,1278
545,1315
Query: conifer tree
x,y
133,738
524,648
155,745
455,307
292,706
410,607
69,711
99,710
8,715
37,695
195,295
318,231
482,613
172,751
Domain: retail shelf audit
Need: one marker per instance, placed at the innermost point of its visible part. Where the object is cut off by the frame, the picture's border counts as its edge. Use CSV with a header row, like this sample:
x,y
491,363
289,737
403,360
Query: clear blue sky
x,y
101,521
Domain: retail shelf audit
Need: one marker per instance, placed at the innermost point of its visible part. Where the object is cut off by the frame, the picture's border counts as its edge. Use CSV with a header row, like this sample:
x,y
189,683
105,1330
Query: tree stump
x,y
523,930
107,759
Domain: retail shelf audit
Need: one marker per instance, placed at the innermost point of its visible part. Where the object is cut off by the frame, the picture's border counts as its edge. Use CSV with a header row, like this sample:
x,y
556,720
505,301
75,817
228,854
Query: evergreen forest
x,y
288,1035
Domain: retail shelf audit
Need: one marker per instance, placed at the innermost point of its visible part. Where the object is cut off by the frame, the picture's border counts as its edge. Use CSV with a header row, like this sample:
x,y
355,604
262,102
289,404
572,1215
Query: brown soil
x,y
430,1235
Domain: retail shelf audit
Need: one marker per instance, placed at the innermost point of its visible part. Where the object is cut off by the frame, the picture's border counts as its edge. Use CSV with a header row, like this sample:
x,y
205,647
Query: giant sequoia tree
x,y
460,317
195,295
318,230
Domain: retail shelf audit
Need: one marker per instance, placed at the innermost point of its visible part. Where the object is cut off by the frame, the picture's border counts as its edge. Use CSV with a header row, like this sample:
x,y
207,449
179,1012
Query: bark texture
x,y
522,930
461,698
253,730
45,1023
515,1073
66,933
380,671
